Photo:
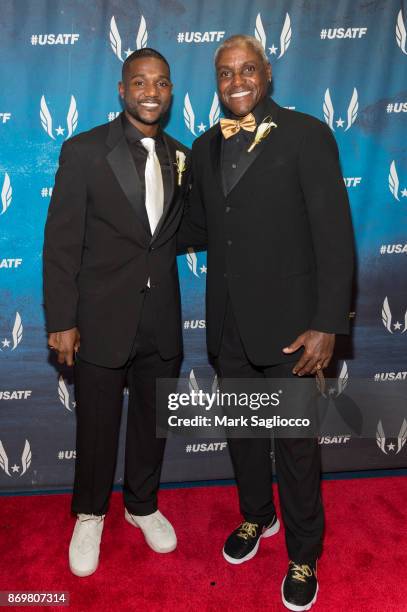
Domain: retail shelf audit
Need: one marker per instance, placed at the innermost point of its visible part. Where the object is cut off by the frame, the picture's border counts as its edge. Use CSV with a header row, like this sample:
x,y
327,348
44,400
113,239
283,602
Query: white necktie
x,y
154,185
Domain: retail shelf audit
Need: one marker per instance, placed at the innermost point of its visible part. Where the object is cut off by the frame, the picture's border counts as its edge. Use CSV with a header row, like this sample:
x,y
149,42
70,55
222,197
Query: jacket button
x,y
227,209
229,243
225,275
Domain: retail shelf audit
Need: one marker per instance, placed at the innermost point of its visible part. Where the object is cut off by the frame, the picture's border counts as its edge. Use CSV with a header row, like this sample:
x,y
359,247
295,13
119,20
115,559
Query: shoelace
x,y
247,530
300,572
87,542
159,524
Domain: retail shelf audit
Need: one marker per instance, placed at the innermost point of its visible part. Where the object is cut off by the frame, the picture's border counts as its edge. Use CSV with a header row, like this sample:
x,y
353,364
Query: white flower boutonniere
x,y
180,163
262,132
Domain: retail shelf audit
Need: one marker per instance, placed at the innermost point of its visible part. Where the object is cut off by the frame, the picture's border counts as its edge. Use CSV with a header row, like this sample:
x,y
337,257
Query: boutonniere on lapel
x,y
262,132
181,165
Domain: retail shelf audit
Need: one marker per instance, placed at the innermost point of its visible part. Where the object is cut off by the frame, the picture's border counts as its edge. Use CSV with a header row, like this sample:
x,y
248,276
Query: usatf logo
x,y
10,263
67,454
192,261
396,107
189,115
285,36
71,120
64,395
194,386
116,41
394,183
401,35
17,335
112,115
199,37
15,395
4,117
392,249
330,33
391,447
334,439
54,39
352,181
334,392
387,319
383,376
6,194
329,112
25,461
195,324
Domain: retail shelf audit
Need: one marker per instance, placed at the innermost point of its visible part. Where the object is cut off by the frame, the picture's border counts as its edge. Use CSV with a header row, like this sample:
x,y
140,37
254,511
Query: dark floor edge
x,y
225,482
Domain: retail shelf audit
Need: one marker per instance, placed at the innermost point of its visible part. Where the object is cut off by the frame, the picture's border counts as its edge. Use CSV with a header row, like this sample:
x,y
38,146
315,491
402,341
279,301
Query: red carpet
x,y
363,568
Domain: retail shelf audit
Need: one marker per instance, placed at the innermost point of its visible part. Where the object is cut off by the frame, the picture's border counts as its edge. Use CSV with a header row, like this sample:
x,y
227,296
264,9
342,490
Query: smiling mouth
x,y
240,94
151,105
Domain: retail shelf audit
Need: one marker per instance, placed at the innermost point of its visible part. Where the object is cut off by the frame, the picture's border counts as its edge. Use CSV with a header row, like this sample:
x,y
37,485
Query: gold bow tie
x,y
230,127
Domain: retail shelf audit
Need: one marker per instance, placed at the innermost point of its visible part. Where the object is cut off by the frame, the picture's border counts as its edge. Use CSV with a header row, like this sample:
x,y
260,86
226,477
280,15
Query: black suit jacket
x,y
99,252
280,243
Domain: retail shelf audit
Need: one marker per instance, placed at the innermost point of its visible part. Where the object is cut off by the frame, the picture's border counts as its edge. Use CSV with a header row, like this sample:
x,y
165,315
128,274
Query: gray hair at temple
x,y
242,39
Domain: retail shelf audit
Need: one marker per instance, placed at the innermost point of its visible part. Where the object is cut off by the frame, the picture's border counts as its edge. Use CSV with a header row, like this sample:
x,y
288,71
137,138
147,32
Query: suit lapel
x,y
215,147
125,171
247,159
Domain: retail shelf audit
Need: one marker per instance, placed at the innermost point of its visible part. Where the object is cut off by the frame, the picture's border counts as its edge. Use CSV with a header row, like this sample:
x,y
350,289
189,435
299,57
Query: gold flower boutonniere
x,y
181,165
262,132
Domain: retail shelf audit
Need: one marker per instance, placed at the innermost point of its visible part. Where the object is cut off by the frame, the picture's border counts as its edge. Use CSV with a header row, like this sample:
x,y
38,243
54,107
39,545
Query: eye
x,y
138,83
164,84
224,74
250,69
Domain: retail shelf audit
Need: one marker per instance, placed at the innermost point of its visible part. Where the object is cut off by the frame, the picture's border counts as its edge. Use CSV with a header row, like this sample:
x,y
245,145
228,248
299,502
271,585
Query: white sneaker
x,y
157,530
85,544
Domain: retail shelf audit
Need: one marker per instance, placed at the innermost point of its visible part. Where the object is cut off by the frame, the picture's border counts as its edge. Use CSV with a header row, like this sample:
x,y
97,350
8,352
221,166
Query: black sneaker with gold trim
x,y
243,542
300,586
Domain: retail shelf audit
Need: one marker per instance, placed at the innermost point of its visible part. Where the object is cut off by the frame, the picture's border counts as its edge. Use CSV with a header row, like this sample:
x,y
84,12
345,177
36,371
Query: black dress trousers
x,y
297,461
99,399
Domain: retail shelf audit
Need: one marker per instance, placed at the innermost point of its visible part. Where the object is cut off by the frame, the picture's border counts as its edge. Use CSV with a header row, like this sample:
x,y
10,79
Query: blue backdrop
x,y
344,61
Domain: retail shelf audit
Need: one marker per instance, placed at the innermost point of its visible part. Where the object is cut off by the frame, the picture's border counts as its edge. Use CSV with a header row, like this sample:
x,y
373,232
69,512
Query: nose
x,y
237,79
151,90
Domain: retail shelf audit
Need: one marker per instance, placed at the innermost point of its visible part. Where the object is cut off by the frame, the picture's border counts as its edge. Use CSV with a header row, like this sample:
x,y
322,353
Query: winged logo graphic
x,y
6,194
192,261
17,333
26,457
46,119
387,318
189,116
214,113
63,393
394,181
72,117
352,109
343,379
193,383
328,110
259,31
4,459
386,315
381,438
116,41
401,34
285,36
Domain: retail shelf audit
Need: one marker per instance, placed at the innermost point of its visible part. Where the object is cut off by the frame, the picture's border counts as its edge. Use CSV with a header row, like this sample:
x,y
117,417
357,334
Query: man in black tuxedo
x,y
278,232
112,297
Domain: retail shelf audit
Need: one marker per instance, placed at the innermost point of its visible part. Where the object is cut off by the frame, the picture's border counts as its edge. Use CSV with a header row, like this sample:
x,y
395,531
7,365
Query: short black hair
x,y
146,52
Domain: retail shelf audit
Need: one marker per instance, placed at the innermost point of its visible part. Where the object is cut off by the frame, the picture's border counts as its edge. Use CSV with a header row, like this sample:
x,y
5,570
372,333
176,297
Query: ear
x,y
269,72
121,89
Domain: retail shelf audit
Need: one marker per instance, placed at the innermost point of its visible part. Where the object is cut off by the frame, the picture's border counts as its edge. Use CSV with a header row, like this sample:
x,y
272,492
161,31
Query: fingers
x,y
306,364
294,346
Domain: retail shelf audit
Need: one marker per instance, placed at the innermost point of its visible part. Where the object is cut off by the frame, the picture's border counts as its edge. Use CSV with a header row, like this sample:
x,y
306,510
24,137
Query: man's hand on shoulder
x,y
65,343
318,349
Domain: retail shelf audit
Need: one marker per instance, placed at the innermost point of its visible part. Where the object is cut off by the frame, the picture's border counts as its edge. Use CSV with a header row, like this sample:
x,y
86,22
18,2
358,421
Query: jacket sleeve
x,y
192,231
64,235
329,217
